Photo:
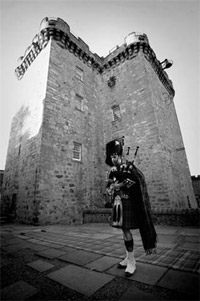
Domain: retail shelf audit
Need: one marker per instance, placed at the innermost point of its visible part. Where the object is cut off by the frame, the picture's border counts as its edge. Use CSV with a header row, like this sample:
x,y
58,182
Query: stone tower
x,y
74,103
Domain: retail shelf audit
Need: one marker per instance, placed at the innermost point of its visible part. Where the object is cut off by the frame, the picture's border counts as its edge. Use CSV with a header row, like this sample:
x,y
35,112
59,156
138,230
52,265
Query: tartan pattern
x,y
129,215
184,260
175,258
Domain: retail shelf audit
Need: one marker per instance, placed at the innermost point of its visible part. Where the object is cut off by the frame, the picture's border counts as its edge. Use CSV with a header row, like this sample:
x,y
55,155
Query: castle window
x,y
19,150
77,150
79,73
112,81
79,102
116,113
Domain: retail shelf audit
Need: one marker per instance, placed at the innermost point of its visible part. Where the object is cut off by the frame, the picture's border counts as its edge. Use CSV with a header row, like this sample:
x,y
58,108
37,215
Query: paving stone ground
x,y
59,262
145,273
83,280
40,265
80,257
102,264
183,282
18,291
133,293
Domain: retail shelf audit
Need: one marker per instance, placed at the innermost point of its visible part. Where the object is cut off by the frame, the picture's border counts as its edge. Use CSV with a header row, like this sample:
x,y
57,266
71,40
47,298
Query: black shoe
x,y
121,266
127,274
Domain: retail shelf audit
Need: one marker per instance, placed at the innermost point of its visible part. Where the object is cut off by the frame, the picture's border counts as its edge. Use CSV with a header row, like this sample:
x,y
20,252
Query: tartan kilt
x,y
129,214
130,217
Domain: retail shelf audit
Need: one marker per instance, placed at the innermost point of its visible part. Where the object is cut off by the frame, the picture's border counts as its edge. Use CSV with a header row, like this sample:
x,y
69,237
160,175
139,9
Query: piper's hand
x,y
118,186
109,191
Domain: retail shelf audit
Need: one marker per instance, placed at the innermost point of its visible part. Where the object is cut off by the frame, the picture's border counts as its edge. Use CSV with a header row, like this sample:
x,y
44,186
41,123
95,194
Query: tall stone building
x,y
75,102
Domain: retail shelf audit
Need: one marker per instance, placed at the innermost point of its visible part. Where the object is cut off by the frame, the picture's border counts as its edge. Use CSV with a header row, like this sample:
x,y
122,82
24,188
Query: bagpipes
x,y
135,154
125,167
120,176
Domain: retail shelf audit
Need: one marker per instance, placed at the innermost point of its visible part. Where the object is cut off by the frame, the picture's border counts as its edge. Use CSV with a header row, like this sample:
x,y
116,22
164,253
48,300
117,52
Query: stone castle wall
x,y
168,164
24,149
148,120
75,97
68,186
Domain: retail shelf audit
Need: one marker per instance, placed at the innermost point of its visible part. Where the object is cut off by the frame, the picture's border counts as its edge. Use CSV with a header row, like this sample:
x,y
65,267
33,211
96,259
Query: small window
x,y
79,102
79,73
112,81
77,151
19,150
116,113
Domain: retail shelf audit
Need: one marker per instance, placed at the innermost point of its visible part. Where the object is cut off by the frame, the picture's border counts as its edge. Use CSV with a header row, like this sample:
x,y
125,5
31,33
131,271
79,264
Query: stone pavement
x,y
62,262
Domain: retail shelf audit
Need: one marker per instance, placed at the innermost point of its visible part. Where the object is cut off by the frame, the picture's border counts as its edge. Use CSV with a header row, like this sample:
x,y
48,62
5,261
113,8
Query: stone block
x,y
13,248
133,293
13,241
18,291
37,248
146,273
40,265
102,263
80,279
182,282
51,253
80,257
101,236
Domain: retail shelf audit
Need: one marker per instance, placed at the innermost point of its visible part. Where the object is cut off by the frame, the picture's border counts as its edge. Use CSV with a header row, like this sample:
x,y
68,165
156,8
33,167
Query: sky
x,y
172,28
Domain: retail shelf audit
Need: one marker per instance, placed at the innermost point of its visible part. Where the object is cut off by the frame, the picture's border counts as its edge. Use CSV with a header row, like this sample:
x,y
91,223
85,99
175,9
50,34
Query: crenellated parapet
x,y
59,30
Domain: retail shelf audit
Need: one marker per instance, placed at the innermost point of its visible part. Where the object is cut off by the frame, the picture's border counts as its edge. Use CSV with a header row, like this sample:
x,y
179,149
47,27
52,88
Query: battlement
x,y
59,30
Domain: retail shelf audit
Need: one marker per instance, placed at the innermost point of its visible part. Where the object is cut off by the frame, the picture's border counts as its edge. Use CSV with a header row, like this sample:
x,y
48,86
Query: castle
x,y
75,102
